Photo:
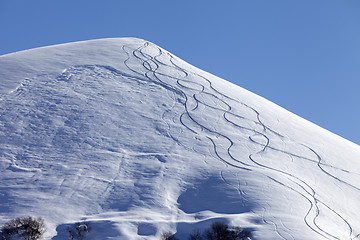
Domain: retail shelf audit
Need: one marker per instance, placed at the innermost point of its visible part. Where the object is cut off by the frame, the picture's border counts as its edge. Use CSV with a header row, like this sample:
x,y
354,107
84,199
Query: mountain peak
x,y
121,134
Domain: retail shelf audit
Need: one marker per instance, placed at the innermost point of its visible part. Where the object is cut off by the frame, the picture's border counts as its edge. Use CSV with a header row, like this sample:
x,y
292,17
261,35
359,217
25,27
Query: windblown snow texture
x,y
123,135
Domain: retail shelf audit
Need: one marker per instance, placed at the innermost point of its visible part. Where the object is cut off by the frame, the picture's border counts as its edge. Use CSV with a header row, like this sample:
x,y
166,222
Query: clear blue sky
x,y
303,55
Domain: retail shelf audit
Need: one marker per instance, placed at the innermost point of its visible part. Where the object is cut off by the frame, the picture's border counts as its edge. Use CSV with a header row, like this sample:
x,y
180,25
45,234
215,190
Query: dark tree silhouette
x,y
28,228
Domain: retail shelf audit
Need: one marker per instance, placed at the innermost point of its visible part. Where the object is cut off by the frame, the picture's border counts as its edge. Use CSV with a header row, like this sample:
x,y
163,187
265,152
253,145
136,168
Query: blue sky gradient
x,y
302,55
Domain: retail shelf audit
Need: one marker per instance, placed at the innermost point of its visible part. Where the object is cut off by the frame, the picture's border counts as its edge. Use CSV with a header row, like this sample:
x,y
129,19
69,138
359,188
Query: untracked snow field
x,y
125,136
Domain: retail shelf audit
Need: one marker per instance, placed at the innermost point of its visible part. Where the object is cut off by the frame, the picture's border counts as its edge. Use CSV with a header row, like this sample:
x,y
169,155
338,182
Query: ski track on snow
x,y
177,86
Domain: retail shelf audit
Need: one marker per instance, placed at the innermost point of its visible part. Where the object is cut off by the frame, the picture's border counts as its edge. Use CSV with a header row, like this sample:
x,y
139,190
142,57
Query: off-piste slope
x,y
124,135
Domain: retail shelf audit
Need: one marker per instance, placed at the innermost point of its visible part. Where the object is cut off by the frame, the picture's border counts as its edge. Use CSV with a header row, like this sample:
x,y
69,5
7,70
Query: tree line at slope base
x,y
31,228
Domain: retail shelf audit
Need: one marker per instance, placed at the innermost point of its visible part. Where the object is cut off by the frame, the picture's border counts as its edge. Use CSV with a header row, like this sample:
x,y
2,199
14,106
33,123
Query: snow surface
x,y
123,135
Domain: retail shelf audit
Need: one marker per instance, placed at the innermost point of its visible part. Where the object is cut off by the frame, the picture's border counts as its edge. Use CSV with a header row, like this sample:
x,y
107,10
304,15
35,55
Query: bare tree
x,y
27,228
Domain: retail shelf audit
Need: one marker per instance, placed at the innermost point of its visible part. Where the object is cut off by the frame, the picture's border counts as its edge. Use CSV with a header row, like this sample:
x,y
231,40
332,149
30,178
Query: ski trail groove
x,y
185,88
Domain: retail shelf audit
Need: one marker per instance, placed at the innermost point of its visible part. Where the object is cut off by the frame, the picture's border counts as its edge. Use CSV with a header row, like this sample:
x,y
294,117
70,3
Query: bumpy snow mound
x,y
123,135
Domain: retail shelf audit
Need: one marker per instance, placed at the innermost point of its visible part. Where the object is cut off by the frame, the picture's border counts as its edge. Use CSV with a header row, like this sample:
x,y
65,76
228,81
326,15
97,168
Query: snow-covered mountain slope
x,y
124,135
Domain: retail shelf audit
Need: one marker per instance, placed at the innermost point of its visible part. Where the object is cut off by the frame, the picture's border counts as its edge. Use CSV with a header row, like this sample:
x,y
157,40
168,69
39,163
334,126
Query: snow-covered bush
x,y
218,231
168,236
238,233
78,231
221,231
27,228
